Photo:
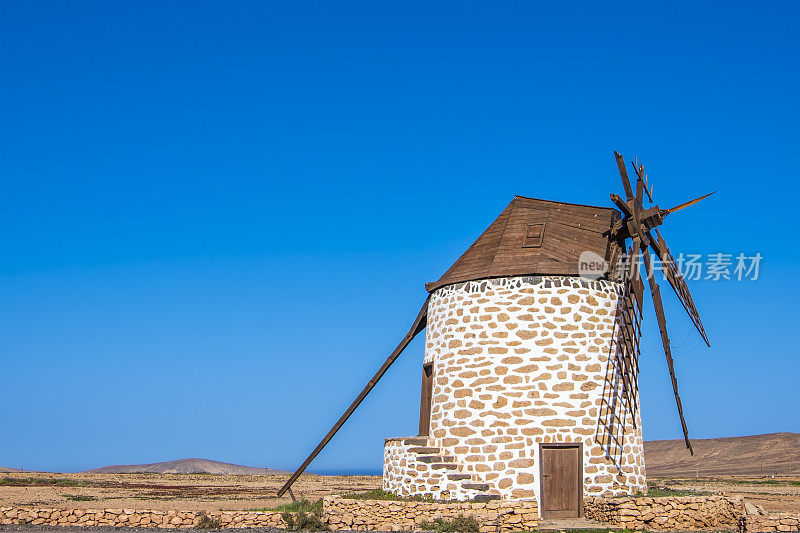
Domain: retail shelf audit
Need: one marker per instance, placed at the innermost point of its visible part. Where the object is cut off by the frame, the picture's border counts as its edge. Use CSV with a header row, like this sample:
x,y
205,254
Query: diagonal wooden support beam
x,y
419,324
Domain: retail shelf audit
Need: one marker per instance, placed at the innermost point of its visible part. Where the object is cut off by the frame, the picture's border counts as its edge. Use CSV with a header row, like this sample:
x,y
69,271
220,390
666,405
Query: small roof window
x,y
534,235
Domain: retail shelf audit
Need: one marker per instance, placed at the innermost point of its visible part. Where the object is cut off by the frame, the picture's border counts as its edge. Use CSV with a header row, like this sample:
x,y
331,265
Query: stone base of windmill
x,y
417,467
526,373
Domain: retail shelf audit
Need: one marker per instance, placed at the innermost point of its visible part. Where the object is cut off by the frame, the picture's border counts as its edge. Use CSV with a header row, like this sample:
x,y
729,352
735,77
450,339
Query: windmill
x,y
516,344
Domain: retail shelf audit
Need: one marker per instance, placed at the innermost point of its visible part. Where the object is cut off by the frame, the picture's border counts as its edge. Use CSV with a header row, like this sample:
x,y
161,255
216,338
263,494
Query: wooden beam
x,y
662,326
678,284
625,208
665,212
419,324
623,173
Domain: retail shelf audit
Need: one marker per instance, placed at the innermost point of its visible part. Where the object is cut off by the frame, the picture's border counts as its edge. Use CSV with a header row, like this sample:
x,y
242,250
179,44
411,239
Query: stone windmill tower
x,y
529,380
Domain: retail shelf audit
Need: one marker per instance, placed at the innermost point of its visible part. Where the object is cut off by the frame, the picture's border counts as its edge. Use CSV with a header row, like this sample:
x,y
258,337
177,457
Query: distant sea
x,y
347,472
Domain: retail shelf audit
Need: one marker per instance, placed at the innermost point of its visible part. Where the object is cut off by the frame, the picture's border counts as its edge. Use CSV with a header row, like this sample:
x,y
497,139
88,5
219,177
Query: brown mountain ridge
x,y
768,454
772,453
186,466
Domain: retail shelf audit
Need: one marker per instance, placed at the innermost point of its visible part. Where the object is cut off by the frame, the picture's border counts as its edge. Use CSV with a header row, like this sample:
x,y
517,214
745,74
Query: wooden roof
x,y
533,237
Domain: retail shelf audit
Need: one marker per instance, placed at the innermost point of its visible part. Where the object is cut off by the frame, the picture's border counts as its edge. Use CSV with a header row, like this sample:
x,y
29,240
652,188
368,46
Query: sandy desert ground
x,y
220,492
202,492
777,495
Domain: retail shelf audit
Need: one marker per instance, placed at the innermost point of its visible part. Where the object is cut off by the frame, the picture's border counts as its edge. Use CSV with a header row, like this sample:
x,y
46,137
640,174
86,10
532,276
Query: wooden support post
x,y
419,324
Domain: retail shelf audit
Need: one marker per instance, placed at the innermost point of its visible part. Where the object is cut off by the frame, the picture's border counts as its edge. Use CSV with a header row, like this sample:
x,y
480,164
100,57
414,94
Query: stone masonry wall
x,y
135,517
777,522
399,469
407,473
521,361
379,515
405,476
688,512
691,512
683,512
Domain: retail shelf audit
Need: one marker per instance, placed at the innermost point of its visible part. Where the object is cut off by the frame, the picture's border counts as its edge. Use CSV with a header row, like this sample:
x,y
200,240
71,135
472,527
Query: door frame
x,y
579,488
426,400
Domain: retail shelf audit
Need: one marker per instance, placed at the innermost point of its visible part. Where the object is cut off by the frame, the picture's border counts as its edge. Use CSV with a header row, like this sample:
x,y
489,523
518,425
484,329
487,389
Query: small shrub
x,y
303,521
460,524
655,492
379,494
301,506
41,482
375,494
208,522
660,492
309,522
79,498
767,482
68,483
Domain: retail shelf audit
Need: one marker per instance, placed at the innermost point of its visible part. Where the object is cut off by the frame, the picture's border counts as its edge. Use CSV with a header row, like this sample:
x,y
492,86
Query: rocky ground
x,y
776,495
224,492
193,492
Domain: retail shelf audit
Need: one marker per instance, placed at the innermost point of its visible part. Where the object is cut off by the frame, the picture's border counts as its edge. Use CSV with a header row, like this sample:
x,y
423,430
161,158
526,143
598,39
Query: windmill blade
x,y
665,212
676,281
642,176
419,324
640,187
623,173
662,326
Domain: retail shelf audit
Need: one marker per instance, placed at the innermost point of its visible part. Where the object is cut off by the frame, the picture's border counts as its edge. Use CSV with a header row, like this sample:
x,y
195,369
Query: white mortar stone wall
x,y
405,474
521,361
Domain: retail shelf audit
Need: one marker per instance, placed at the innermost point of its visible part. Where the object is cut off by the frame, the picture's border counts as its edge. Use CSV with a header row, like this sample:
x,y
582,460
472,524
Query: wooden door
x,y
561,482
425,400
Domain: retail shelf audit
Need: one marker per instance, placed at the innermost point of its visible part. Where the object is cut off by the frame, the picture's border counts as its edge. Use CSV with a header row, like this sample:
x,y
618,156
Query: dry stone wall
x,y
693,512
682,512
777,522
521,361
135,517
378,515
662,513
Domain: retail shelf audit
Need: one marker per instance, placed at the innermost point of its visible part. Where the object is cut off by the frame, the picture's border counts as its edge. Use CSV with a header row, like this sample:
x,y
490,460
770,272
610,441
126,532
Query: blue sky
x,y
217,218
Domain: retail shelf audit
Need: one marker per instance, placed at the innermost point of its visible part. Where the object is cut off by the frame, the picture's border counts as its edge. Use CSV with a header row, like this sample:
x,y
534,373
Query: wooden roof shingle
x,y
534,237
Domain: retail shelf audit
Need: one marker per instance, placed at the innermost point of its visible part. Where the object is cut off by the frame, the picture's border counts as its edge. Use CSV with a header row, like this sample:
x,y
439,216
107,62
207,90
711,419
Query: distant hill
x,y
186,466
777,453
5,469
773,453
